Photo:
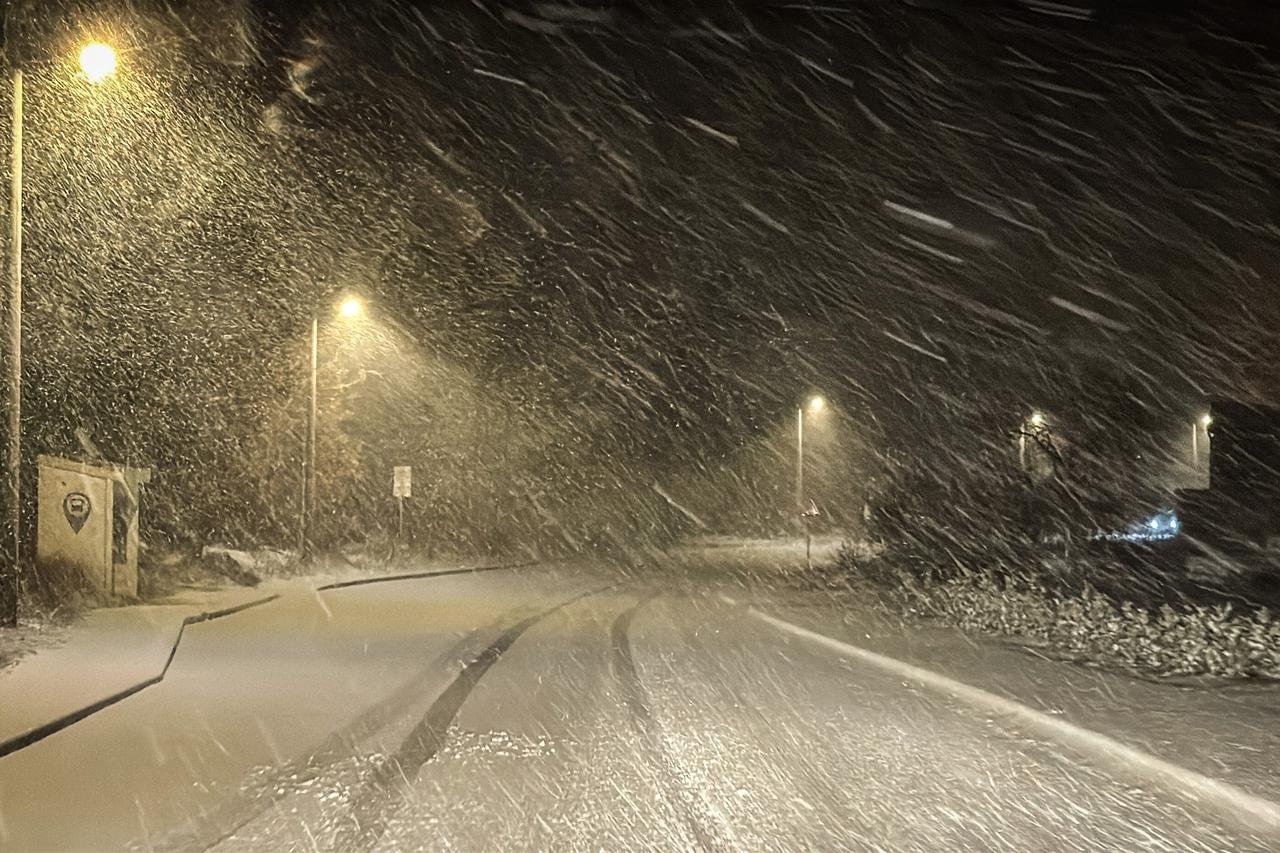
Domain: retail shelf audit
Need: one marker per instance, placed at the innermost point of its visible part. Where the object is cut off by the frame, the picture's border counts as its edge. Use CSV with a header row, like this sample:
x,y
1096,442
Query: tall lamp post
x,y
1035,422
350,308
1201,423
813,405
97,63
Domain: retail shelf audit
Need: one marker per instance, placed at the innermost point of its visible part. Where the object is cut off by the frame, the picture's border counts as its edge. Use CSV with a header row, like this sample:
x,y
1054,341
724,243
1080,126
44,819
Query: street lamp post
x,y
1035,421
799,458
1201,423
9,594
97,62
815,404
350,308
309,449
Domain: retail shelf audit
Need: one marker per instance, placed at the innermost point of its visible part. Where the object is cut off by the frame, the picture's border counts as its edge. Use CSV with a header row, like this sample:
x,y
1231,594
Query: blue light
x,y
1163,525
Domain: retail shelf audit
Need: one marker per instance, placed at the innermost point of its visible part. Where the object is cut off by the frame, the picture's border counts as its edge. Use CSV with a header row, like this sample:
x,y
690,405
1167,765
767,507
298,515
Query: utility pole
x,y
9,574
350,308
799,458
305,533
97,62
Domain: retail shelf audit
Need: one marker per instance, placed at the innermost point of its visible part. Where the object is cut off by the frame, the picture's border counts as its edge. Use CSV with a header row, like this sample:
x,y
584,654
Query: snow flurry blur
x,y
606,249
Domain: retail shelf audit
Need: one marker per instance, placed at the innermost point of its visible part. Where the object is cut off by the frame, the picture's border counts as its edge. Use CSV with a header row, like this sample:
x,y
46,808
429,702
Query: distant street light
x,y
97,61
815,405
349,308
1036,421
1202,423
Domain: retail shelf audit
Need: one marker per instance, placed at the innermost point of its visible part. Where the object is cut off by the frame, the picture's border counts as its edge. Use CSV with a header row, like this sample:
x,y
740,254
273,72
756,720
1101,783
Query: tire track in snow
x,y
700,823
377,802
269,788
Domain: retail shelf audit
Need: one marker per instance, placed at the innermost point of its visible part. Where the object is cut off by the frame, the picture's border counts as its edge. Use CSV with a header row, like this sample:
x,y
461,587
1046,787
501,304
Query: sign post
x,y
806,517
401,488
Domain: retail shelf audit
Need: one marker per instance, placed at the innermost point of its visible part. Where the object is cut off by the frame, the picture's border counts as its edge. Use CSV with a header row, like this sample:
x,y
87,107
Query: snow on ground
x,y
781,555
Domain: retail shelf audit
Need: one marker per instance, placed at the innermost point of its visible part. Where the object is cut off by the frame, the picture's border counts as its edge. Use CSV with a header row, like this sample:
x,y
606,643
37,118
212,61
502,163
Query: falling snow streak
x,y
582,227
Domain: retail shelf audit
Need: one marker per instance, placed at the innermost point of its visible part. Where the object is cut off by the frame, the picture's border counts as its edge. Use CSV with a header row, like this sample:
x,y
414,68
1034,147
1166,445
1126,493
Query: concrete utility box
x,y
88,518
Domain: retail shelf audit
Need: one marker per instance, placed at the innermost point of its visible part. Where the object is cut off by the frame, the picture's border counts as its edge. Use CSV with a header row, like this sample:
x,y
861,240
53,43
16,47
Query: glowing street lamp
x,y
349,308
1202,423
97,61
1035,421
815,405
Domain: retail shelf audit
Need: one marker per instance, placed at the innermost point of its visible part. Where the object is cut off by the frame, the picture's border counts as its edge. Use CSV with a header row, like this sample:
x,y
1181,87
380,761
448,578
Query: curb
x,y
417,575
39,733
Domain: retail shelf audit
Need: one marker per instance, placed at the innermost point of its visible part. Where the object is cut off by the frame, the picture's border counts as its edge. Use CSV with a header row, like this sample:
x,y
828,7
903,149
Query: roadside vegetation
x,y
1170,639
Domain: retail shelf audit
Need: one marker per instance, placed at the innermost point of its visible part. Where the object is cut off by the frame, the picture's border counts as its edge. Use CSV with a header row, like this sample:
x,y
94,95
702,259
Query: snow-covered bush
x,y
1182,639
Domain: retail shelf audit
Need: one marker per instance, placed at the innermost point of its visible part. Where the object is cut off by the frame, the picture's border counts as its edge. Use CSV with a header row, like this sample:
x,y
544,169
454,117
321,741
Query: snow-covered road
x,y
586,709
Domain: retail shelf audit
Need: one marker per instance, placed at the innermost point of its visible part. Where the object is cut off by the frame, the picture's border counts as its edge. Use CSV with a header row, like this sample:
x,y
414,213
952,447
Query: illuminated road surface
x,y
557,709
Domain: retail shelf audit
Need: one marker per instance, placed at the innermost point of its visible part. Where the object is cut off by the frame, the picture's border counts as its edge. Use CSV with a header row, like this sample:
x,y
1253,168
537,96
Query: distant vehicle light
x,y
1161,526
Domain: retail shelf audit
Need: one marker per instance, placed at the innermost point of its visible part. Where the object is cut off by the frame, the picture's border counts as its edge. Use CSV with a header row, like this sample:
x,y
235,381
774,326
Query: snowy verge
x,y
1180,640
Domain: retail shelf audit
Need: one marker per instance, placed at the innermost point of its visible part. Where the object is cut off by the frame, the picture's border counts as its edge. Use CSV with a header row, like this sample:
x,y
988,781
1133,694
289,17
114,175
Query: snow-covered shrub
x,y
1181,639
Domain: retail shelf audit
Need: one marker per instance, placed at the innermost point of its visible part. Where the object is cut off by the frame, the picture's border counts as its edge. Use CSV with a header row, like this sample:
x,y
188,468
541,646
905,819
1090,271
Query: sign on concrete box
x,y
402,481
88,519
69,531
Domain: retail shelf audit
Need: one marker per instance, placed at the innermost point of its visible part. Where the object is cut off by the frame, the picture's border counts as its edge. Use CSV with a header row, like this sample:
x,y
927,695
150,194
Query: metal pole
x,y
800,459
1022,449
1195,444
306,535
9,574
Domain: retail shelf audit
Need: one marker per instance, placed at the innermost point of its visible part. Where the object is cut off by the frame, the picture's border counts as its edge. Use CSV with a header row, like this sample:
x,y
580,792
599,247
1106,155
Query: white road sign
x,y
402,481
